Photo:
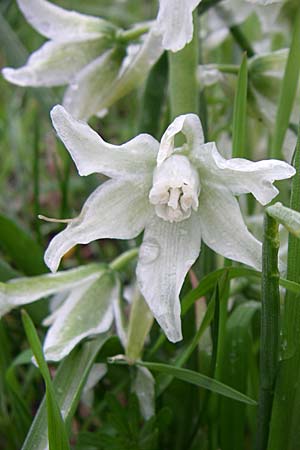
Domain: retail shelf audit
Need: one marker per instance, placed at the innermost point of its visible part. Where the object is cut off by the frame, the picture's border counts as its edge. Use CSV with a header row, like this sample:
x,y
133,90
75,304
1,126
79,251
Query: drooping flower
x,y
178,195
85,303
87,54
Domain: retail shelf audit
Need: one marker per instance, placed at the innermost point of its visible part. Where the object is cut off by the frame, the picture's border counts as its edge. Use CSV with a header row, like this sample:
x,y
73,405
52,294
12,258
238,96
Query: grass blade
x,y
57,434
190,376
284,427
240,112
68,383
287,92
237,347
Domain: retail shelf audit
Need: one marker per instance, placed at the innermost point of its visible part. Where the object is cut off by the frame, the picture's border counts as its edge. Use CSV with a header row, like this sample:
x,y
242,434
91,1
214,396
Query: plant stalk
x,y
269,326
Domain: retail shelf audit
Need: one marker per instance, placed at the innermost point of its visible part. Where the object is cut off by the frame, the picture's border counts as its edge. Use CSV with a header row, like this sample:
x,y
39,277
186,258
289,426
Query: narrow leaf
x,y
198,379
68,383
57,434
240,112
287,92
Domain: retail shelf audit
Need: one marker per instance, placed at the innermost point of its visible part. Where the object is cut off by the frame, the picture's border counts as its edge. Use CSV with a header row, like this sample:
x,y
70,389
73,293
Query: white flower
x,y
82,52
88,304
175,22
178,195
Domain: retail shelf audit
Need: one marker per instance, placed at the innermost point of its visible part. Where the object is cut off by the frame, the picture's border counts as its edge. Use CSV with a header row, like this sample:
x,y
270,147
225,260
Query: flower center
x,y
175,189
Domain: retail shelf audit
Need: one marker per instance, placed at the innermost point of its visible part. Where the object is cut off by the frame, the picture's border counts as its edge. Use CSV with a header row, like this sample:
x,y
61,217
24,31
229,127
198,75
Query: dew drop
x,y
149,251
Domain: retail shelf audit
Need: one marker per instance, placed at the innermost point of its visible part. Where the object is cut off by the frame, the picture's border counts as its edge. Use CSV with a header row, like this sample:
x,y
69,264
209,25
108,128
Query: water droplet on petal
x,y
149,251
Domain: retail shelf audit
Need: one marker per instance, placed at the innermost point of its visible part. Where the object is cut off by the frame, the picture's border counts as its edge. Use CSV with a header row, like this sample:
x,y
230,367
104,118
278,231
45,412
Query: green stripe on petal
x,y
55,63
87,311
118,209
21,291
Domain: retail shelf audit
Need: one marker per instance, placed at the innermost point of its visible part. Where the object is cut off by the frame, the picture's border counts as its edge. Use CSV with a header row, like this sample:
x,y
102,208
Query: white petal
x,y
117,209
133,71
175,22
143,386
240,175
92,154
87,311
190,126
120,321
223,228
83,97
21,291
55,63
167,253
57,23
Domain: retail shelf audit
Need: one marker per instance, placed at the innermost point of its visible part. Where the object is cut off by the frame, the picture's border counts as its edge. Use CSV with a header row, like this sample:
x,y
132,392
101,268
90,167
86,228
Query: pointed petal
x,y
190,126
133,71
117,209
167,253
86,312
55,63
21,291
223,228
144,387
92,154
175,22
83,97
57,23
240,175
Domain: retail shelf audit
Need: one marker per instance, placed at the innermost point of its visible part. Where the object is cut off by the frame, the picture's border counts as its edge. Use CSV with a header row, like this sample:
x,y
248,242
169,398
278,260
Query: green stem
x,y
123,260
183,80
36,172
284,427
241,40
132,35
140,323
228,68
269,340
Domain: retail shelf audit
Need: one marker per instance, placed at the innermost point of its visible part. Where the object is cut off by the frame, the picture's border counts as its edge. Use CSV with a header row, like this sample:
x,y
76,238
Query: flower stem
x,y
183,81
133,34
241,40
123,260
284,427
269,340
140,322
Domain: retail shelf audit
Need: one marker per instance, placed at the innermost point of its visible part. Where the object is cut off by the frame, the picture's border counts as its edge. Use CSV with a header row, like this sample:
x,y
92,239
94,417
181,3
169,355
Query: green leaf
x,y
57,435
235,371
284,427
287,92
240,112
189,376
68,384
88,311
21,248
